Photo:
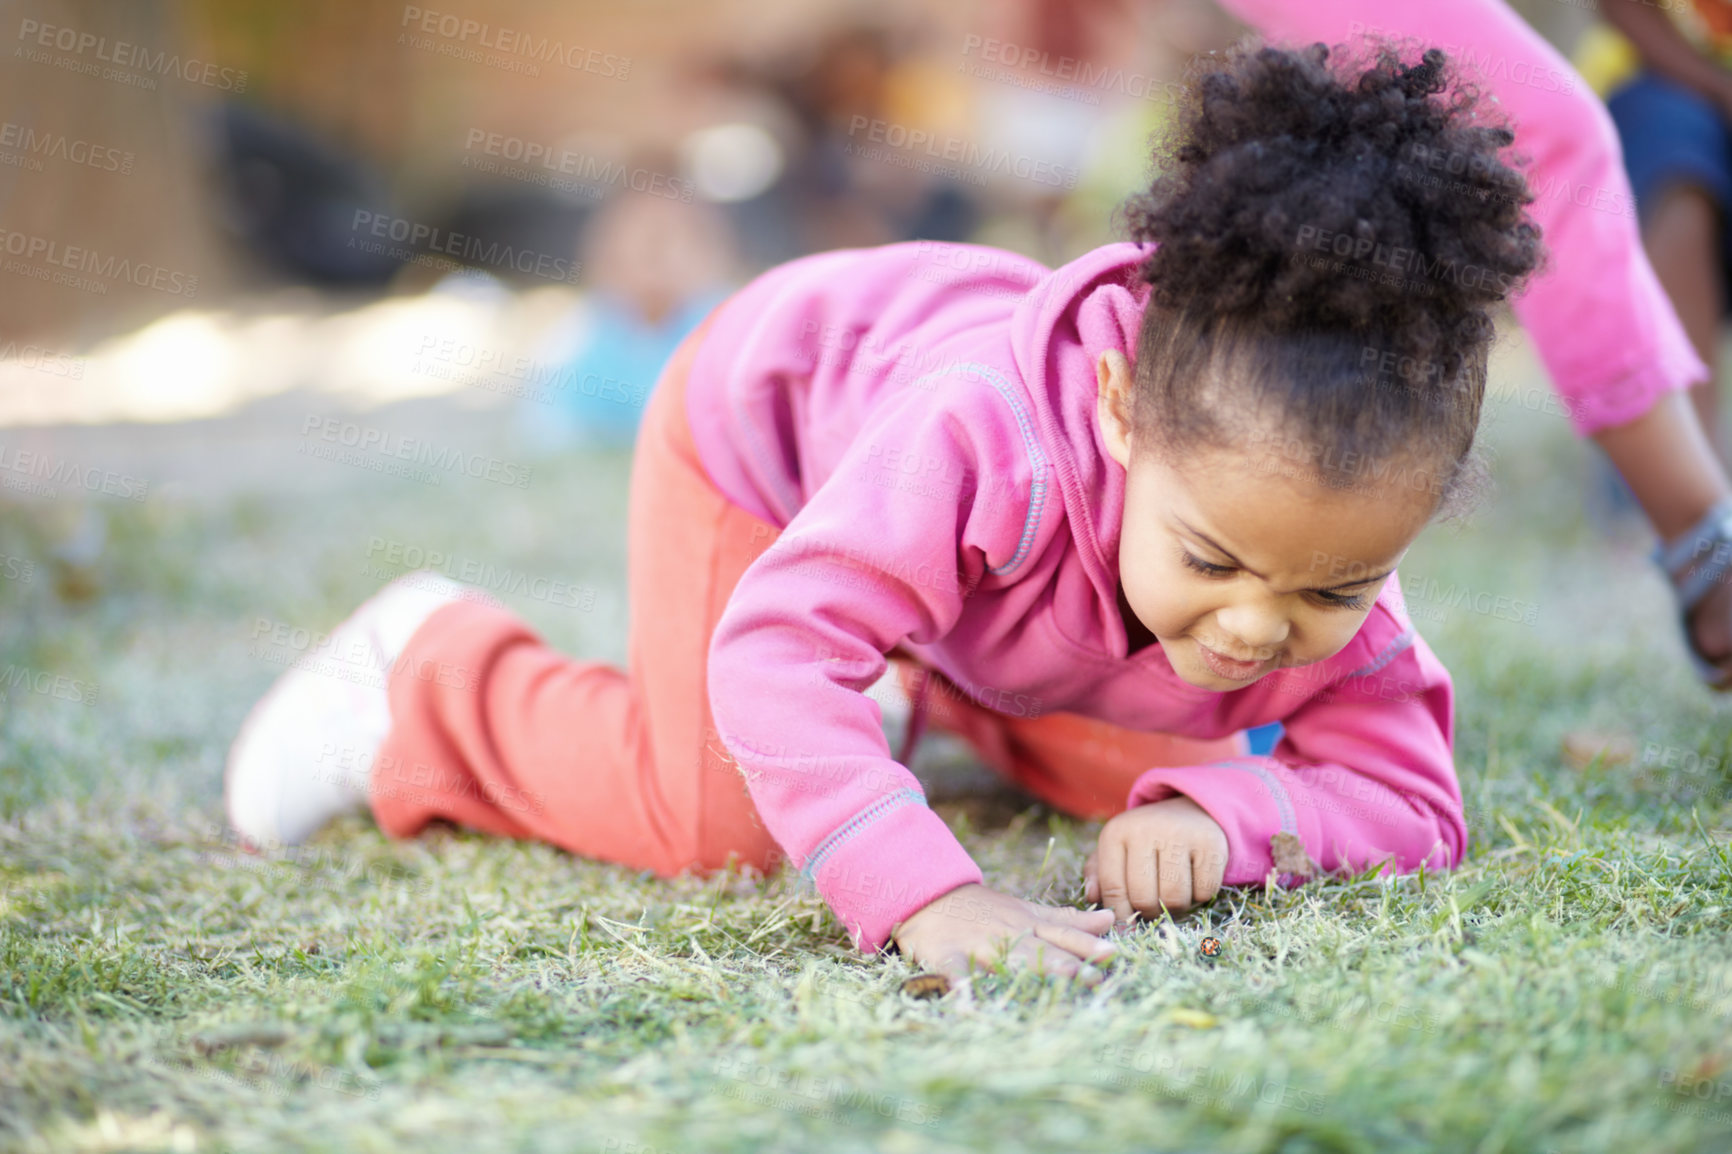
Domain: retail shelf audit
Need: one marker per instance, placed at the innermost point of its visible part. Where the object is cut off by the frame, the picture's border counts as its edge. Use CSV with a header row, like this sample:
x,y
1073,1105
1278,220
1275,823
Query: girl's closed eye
x,y
1204,567
1343,600
1333,600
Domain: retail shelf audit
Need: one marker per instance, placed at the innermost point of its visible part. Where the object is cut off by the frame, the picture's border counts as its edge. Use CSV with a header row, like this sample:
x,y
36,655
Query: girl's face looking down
x,y
1238,569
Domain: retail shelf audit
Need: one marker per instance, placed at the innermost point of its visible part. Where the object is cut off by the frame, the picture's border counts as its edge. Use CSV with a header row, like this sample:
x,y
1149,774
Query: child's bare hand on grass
x,y
972,927
1168,852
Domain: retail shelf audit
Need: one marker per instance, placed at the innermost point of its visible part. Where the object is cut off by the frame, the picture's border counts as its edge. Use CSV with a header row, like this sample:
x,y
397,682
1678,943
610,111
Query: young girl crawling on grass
x,y
1103,518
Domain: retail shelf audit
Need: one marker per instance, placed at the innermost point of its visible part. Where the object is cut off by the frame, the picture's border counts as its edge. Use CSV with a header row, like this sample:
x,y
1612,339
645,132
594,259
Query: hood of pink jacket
x,y
1067,320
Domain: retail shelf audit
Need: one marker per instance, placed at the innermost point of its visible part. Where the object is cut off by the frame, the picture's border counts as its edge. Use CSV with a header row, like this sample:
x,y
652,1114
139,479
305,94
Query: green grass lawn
x,y
1568,989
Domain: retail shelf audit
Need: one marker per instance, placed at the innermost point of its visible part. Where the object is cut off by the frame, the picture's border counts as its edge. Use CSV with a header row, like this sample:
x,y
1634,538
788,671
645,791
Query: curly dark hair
x,y
1330,241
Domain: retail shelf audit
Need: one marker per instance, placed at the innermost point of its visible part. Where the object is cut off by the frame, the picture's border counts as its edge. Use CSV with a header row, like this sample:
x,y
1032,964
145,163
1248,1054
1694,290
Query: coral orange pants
x,y
625,765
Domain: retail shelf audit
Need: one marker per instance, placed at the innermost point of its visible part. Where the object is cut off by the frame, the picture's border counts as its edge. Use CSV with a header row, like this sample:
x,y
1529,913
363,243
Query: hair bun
x,y
1367,195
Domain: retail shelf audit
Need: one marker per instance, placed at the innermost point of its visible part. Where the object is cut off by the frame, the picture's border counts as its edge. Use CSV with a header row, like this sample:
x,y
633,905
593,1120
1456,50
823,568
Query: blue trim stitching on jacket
x,y
855,825
1390,653
1036,458
1283,802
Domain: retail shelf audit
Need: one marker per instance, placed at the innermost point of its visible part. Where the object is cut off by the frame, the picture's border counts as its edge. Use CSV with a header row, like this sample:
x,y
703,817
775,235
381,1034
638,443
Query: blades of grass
x,y
774,920
121,1002
1521,842
1719,853
1563,823
658,963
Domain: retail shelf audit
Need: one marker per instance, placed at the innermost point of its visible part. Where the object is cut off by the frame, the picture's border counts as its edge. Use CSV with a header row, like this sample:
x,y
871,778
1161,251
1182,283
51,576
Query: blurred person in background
x,y
655,263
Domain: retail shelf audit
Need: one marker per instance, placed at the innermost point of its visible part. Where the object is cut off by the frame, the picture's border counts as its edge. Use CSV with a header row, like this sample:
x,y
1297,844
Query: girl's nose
x,y
1255,626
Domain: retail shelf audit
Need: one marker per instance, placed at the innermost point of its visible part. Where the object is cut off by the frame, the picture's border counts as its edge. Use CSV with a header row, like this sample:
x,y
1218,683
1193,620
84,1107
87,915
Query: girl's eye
x,y
1205,567
1333,600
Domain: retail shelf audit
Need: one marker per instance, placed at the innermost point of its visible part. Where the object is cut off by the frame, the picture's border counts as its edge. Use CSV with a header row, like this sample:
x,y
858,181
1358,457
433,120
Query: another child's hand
x,y
1168,852
972,925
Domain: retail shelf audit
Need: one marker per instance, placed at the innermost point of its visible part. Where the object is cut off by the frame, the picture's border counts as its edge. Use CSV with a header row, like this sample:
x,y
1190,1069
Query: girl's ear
x,y
1113,404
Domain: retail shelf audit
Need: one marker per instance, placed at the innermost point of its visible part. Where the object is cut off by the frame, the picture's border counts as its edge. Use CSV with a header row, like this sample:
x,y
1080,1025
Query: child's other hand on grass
x,y
972,927
1169,851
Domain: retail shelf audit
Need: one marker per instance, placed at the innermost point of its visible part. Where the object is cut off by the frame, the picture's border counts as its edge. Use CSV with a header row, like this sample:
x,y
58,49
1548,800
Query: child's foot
x,y
304,754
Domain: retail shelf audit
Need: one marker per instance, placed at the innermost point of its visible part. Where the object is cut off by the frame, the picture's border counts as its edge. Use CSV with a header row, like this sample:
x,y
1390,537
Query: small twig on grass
x,y
512,1054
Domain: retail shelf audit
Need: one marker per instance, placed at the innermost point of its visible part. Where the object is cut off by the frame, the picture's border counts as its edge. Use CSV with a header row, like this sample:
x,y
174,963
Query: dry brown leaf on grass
x,y
1290,856
926,986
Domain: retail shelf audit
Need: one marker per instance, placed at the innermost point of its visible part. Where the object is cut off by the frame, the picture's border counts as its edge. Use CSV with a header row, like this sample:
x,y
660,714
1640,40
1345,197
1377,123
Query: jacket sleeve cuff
x,y
877,876
1250,812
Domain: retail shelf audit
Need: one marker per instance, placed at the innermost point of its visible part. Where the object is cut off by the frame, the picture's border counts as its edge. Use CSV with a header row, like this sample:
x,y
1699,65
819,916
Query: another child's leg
x,y
1075,764
621,766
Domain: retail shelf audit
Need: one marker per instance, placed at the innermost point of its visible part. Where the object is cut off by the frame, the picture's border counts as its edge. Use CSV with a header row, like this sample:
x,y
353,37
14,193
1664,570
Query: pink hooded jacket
x,y
920,418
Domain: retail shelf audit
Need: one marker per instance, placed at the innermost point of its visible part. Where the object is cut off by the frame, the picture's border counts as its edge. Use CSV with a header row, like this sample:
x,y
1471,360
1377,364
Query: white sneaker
x,y
304,754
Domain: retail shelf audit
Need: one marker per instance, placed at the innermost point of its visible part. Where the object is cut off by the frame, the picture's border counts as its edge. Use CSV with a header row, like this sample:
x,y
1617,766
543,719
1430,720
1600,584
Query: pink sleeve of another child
x,y
1608,336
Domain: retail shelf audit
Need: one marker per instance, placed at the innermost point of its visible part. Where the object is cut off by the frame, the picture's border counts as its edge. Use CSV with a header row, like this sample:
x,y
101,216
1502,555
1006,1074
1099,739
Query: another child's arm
x,y
1364,773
